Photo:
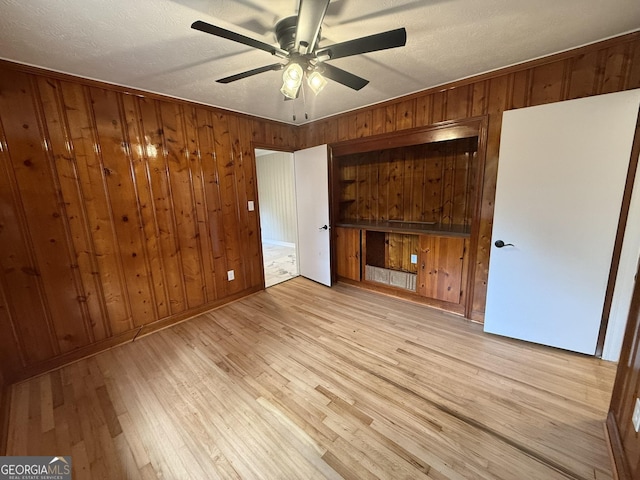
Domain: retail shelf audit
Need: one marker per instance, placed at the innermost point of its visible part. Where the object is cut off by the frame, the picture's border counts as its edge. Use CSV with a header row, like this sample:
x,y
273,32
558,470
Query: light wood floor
x,y
302,382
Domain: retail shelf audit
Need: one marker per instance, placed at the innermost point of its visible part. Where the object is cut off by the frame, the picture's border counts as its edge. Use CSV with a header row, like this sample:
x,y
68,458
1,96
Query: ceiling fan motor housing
x,y
286,33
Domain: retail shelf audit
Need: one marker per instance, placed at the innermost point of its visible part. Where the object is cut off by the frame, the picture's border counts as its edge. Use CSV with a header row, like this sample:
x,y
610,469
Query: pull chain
x,y
304,102
293,108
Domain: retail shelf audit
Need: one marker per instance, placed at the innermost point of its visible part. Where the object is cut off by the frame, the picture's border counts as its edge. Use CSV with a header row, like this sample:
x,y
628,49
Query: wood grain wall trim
x,y
620,465
626,389
617,248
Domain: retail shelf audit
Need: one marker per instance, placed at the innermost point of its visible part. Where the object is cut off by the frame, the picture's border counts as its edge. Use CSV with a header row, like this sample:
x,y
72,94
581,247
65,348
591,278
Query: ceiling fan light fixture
x,y
292,75
316,81
290,91
292,79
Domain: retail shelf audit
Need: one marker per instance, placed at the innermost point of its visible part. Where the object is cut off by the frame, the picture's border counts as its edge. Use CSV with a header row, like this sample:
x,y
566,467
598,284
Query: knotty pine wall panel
x,y
425,183
31,165
212,207
118,212
609,66
23,314
123,206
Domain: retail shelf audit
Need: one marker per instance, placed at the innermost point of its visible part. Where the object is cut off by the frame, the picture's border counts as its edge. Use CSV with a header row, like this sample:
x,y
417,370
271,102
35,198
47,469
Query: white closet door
x,y
312,199
561,176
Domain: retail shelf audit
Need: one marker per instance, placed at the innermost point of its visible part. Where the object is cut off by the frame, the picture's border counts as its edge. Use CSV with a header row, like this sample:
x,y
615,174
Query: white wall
x,y
276,197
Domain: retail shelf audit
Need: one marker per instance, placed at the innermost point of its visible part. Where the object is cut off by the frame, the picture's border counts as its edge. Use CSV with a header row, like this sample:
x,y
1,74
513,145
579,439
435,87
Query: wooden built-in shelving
x,y
405,212
416,228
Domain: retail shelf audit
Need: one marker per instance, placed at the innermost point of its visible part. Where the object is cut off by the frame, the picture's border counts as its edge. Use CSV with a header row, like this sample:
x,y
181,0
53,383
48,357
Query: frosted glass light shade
x,y
316,82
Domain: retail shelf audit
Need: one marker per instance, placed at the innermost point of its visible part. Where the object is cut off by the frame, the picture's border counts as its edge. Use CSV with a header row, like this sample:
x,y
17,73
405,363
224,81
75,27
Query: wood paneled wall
x,y
119,213
605,67
424,183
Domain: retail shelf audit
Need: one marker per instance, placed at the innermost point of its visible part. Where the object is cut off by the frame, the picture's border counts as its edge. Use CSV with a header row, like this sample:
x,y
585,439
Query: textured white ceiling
x,y
149,45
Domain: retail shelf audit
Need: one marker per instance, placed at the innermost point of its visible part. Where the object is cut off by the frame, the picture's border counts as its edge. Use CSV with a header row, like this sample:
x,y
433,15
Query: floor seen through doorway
x,y
280,263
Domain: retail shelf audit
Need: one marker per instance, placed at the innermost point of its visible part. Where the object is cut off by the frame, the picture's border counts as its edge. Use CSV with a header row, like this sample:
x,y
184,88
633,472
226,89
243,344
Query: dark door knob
x,y
500,244
325,227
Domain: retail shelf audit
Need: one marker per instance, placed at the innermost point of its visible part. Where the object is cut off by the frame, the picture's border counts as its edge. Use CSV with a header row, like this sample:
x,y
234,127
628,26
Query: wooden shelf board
x,y
409,227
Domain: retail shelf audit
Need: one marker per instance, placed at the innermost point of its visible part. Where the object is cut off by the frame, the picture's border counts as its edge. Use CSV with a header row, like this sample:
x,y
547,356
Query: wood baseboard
x,y
456,309
95,348
619,465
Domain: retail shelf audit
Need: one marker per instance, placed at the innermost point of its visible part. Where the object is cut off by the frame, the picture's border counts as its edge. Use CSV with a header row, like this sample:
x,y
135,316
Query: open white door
x,y
312,199
561,179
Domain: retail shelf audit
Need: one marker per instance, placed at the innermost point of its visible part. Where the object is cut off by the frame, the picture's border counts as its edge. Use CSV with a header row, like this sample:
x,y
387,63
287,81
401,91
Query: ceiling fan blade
x,y
372,43
341,76
249,73
310,16
236,37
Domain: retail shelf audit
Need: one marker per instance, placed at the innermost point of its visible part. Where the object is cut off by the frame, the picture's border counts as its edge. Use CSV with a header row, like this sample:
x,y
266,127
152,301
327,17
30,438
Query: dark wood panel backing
x,y
400,247
117,212
426,183
605,67
624,439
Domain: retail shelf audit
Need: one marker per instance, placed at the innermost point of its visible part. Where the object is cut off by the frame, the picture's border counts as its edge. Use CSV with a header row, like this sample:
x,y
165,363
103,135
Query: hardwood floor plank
x,y
304,381
46,404
125,457
80,461
133,440
108,411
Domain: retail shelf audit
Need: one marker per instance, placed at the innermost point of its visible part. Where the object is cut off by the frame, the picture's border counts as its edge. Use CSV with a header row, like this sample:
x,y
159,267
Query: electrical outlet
x,y
414,258
231,275
636,416
251,205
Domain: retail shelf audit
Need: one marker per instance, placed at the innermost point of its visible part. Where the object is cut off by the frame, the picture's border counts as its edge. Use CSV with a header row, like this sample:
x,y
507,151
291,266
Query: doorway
x,y
278,217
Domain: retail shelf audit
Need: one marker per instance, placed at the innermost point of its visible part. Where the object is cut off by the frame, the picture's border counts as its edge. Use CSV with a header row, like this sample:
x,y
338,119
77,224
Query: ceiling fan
x,y
298,37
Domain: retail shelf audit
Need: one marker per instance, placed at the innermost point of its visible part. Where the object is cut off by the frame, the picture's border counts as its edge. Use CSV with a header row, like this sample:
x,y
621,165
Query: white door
x,y
312,198
561,178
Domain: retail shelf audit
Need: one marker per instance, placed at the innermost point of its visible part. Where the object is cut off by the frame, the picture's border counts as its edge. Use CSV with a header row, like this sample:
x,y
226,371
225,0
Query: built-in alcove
x,y
405,208
392,259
